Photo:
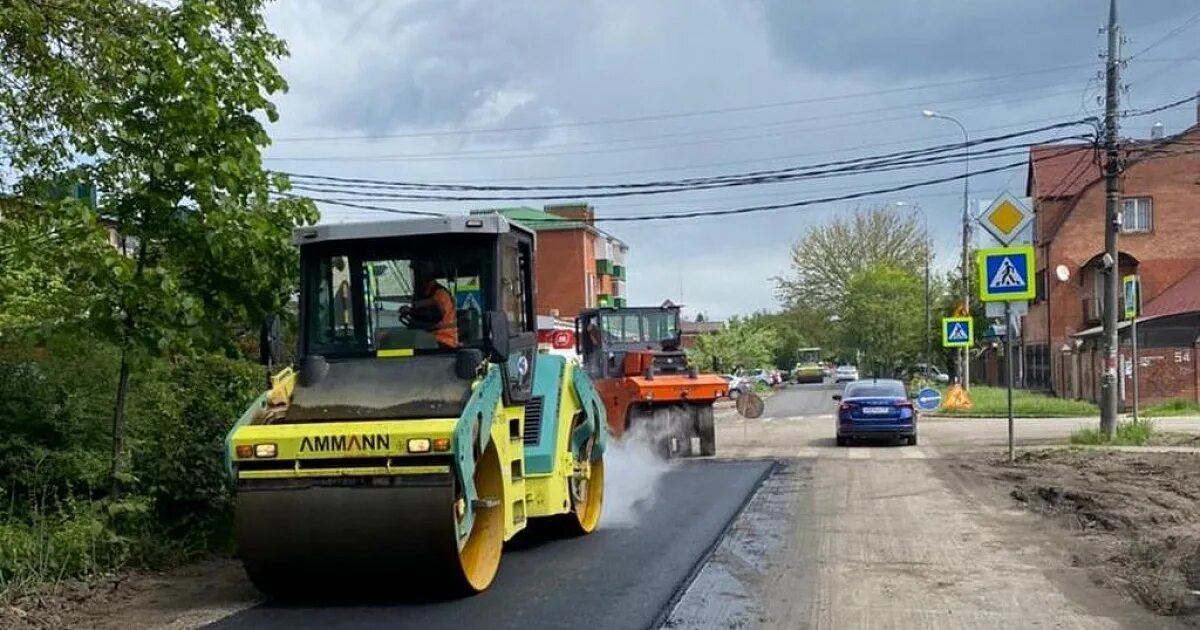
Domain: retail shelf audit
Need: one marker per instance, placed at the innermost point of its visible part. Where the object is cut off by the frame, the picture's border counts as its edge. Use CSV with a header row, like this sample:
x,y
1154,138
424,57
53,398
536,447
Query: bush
x,y
55,416
178,458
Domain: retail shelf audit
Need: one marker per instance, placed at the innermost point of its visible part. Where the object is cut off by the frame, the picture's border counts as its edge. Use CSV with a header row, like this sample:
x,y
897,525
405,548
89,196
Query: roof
x,y
353,230
542,221
1065,170
700,328
1181,297
1061,170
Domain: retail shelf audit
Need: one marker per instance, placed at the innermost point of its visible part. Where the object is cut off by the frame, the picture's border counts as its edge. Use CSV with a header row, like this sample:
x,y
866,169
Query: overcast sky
x,y
415,90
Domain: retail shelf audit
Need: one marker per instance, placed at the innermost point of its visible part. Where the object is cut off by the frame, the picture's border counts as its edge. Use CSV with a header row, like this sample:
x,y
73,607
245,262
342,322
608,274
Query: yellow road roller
x,y
419,429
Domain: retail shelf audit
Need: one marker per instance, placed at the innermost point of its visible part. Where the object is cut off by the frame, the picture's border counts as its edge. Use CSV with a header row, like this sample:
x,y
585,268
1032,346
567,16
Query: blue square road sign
x,y
957,332
1006,274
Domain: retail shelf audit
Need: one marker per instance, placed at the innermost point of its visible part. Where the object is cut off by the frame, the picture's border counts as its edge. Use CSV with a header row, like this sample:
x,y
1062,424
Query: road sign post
x,y
1008,368
1006,274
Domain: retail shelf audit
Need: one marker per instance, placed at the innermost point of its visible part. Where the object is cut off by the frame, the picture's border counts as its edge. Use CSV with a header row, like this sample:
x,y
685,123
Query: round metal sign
x,y
749,405
929,399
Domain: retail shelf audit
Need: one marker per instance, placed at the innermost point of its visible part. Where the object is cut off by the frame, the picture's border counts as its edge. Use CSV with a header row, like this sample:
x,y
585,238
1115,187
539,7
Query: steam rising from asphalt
x,y
632,472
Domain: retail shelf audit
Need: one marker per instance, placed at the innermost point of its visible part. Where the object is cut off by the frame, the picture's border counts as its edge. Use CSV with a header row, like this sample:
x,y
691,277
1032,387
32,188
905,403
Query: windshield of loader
x,y
808,356
370,299
639,326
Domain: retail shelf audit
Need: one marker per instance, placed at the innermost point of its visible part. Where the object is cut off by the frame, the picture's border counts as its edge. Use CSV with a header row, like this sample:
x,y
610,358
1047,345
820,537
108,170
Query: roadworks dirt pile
x,y
1138,513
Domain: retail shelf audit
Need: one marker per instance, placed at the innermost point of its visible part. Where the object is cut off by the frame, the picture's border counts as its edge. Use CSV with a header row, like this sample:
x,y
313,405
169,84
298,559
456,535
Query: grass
x,y
992,402
1130,433
1172,408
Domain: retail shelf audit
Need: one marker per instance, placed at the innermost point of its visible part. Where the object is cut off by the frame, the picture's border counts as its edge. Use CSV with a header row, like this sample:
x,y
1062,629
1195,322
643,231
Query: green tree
x,y
742,343
824,260
159,106
883,317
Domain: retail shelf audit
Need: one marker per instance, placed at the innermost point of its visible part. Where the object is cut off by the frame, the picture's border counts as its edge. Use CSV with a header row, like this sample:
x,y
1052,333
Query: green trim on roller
x,y
483,405
593,409
547,383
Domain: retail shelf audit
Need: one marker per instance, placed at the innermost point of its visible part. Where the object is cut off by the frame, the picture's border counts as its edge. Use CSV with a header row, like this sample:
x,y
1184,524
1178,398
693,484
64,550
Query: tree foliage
x,y
883,316
743,343
159,107
824,260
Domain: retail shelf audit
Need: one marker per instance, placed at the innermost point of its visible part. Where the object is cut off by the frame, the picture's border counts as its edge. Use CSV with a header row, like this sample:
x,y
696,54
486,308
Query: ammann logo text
x,y
326,443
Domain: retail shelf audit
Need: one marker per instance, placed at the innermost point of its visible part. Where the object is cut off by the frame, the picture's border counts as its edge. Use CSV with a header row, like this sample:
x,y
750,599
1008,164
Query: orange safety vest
x,y
446,330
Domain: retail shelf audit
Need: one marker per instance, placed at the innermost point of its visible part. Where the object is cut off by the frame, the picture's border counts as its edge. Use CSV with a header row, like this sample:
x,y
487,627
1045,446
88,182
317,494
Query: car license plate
x,y
876,411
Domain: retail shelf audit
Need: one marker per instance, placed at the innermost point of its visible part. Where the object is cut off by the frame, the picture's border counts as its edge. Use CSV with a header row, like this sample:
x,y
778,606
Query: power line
x,y
1188,23
923,162
867,160
775,158
750,209
1155,110
360,206
496,154
765,125
694,113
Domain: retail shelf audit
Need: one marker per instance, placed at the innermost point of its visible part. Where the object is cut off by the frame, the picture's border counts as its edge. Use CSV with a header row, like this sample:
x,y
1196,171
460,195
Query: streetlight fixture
x,y
965,372
928,253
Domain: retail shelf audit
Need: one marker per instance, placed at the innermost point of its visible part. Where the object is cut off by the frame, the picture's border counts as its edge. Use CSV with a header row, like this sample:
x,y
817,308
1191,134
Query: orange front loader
x,y
634,359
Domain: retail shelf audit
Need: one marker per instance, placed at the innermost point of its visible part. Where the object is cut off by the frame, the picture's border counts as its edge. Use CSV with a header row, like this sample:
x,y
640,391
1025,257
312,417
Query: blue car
x,y
876,409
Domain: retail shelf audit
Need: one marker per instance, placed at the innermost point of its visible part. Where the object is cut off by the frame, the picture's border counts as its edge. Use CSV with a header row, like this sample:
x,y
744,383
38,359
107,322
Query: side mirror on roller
x,y
497,334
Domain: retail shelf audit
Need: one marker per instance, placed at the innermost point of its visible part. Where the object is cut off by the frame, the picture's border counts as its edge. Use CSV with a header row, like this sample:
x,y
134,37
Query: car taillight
x,y
846,406
907,404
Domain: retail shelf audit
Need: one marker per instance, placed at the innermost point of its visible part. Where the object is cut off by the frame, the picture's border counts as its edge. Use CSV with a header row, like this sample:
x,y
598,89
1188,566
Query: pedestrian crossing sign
x,y
1006,274
958,332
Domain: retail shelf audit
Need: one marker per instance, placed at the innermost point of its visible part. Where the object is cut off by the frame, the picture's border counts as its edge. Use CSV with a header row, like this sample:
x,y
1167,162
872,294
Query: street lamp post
x,y
928,253
965,357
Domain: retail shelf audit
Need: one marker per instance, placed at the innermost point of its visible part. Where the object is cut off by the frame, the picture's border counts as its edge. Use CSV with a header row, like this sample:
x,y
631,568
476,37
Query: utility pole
x,y
1112,225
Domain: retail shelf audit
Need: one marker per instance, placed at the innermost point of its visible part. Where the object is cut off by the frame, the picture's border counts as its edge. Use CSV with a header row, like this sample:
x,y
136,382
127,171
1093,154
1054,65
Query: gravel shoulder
x,y
187,597
1131,518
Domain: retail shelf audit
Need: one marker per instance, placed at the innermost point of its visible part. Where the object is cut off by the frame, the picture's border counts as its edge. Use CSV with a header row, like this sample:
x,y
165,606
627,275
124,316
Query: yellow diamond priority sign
x,y
1005,218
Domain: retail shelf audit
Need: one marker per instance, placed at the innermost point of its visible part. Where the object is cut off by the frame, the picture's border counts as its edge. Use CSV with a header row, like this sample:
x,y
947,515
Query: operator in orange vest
x,y
434,310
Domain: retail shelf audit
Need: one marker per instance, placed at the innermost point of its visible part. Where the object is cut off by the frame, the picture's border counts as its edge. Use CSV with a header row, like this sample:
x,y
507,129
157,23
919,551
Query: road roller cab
x,y
420,425
633,355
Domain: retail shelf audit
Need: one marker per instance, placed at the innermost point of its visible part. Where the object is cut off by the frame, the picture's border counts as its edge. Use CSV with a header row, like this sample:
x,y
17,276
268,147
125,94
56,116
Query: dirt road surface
x,y
892,537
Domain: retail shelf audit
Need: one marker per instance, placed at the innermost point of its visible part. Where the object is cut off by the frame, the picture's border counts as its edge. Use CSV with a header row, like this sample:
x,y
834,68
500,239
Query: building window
x,y
1137,215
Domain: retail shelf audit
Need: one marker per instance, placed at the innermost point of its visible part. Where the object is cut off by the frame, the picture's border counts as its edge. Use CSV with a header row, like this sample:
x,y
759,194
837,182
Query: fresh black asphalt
x,y
620,578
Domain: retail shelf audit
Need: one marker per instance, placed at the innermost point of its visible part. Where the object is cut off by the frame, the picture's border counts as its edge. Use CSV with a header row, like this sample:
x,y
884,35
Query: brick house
x,y
579,266
690,331
1061,341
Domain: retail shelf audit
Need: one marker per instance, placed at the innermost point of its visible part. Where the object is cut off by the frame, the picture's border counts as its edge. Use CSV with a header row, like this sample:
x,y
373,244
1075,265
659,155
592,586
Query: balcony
x,y
604,266
603,300
619,272
619,302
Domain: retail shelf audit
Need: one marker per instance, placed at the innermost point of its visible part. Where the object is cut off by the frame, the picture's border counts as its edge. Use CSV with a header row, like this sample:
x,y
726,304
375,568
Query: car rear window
x,y
875,390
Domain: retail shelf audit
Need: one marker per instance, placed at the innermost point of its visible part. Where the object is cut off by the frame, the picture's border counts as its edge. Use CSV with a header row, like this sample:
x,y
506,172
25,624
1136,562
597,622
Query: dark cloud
x,y
922,39
378,67
443,62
